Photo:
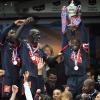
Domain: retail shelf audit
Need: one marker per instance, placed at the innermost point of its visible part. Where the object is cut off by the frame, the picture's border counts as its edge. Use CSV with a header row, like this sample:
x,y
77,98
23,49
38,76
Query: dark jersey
x,y
6,51
27,63
68,54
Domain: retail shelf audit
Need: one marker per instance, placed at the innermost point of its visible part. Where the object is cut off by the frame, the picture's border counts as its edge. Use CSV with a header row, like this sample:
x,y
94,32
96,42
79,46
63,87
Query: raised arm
x,y
20,29
27,90
64,40
40,79
63,18
64,26
84,37
5,32
7,29
14,92
84,33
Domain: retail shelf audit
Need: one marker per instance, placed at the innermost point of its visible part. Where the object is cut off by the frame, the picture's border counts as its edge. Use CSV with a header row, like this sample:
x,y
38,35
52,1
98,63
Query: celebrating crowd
x,y
31,72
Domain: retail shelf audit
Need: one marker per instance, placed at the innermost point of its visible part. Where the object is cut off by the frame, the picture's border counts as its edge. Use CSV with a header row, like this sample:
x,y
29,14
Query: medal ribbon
x,y
77,57
31,51
14,56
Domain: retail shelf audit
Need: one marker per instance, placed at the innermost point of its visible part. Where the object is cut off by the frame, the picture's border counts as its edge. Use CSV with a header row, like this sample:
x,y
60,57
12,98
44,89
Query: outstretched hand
x,y
23,21
40,65
14,89
28,20
19,22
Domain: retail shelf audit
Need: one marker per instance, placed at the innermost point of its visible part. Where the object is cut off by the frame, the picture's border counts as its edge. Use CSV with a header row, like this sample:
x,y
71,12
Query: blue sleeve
x,y
40,82
64,40
84,33
24,57
19,31
5,32
63,34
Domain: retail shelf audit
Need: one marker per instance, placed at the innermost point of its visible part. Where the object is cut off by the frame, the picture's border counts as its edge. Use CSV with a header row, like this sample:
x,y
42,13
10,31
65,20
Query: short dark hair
x,y
90,71
61,88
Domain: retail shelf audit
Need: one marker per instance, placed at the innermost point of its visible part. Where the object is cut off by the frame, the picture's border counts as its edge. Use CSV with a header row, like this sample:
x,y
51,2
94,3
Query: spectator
x,y
90,74
98,96
40,83
56,62
51,82
46,97
57,94
51,58
88,91
48,50
67,95
28,93
14,92
60,69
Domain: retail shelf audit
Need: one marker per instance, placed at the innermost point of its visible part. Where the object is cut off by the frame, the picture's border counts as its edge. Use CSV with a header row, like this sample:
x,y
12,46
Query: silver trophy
x,y
73,14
